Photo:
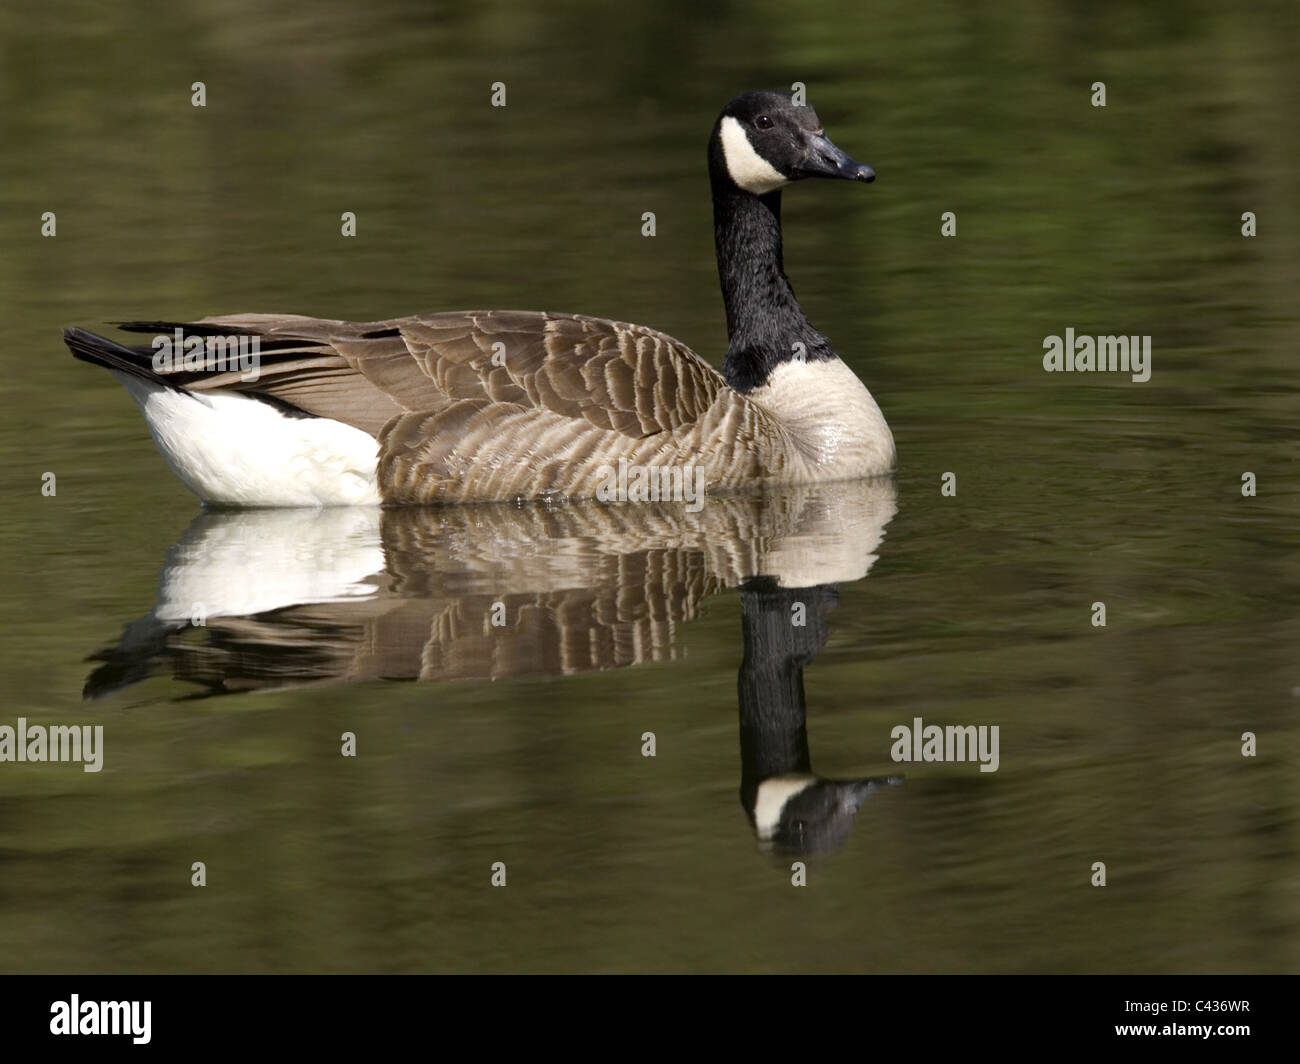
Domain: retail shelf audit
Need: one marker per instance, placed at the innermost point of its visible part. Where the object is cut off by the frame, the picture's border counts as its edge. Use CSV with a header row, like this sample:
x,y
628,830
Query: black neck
x,y
764,320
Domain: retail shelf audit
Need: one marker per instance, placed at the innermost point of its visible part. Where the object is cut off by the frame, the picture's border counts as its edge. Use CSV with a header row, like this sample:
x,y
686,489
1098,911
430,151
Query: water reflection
x,y
792,809
270,599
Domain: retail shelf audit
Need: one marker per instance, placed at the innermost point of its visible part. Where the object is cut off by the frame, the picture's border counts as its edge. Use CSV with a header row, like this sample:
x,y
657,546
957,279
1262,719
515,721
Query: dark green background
x,y
1119,745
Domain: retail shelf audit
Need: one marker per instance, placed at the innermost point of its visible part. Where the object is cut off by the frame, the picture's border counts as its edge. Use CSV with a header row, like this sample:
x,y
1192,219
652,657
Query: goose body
x,y
481,405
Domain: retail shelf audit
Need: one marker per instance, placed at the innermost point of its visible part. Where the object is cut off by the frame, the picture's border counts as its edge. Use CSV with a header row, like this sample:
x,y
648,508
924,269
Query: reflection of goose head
x,y
792,810
806,815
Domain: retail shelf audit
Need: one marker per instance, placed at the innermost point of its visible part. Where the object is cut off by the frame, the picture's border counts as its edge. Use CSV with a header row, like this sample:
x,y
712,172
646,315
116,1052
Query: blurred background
x,y
1119,744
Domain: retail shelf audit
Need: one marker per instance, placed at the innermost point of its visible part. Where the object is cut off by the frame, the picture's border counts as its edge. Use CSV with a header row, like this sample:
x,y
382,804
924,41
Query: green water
x,y
475,745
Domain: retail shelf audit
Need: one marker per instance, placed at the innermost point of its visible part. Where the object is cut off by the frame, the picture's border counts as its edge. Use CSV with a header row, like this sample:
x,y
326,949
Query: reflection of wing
x,y
551,633
480,591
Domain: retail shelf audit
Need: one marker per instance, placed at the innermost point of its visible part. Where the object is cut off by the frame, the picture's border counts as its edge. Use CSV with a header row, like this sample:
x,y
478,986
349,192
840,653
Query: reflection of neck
x,y
773,734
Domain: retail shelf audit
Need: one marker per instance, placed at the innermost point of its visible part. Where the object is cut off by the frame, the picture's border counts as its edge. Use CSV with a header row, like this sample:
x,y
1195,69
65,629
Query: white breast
x,y
831,417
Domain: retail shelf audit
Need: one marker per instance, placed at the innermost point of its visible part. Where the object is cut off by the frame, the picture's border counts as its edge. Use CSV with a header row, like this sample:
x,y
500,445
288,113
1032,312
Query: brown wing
x,y
611,375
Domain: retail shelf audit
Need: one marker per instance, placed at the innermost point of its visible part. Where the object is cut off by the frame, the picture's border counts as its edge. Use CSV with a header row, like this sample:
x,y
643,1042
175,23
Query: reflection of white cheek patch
x,y
747,168
773,796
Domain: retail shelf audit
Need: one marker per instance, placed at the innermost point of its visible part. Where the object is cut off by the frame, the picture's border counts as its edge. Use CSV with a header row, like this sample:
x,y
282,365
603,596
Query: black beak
x,y
824,159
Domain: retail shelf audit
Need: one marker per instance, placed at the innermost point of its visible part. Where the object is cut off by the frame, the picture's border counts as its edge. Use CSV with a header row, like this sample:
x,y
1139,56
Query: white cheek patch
x,y
747,168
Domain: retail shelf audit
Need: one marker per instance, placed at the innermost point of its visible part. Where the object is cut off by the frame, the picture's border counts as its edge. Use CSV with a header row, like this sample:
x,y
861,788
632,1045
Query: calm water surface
x,y
523,743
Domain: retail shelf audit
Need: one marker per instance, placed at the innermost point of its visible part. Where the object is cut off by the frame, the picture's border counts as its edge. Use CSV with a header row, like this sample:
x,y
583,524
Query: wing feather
x,y
614,375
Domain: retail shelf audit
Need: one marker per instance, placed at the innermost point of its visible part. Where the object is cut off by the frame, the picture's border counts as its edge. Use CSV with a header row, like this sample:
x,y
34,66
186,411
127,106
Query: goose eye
x,y
762,122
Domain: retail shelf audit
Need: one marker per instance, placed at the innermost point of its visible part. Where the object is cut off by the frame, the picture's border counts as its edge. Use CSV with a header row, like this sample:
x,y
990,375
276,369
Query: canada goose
x,y
482,405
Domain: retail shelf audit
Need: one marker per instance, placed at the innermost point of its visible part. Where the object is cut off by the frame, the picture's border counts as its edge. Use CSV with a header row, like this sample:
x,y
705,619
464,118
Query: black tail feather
x,y
188,328
266,346
138,361
101,351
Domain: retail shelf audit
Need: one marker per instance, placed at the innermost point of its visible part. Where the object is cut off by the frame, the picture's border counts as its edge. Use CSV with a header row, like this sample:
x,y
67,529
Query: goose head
x,y
764,140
